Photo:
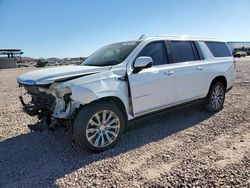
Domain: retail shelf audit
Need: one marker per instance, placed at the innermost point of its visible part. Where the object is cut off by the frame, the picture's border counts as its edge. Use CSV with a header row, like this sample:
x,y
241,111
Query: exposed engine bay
x,y
52,105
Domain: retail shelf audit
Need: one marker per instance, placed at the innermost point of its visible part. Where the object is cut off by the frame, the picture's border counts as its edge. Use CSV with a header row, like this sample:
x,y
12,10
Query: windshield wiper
x,y
102,64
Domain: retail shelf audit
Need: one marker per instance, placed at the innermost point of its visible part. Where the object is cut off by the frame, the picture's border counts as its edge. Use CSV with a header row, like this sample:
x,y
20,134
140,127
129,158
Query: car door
x,y
189,70
154,87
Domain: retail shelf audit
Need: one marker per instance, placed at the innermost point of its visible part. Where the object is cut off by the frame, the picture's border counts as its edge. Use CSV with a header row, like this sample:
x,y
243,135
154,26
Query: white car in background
x,y
126,80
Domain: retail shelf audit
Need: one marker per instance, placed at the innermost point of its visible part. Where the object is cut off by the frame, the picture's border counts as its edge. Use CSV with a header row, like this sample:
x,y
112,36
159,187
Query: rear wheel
x,y
215,98
98,126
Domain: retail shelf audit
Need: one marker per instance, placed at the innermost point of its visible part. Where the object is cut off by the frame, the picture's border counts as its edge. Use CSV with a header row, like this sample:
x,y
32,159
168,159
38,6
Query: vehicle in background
x,y
248,51
126,80
41,63
240,54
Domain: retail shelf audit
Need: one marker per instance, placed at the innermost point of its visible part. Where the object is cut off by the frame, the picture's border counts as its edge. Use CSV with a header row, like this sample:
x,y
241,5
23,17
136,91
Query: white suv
x,y
126,80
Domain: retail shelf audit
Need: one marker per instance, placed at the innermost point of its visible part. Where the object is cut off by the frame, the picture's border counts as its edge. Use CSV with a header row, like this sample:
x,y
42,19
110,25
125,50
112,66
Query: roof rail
x,y
142,37
184,37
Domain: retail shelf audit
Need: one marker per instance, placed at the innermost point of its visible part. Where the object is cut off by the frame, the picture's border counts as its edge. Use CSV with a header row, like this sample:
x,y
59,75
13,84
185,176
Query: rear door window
x,y
157,51
182,51
219,49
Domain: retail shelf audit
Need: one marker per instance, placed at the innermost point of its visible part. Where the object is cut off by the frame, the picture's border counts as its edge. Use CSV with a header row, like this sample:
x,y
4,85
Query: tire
x,y
216,97
94,122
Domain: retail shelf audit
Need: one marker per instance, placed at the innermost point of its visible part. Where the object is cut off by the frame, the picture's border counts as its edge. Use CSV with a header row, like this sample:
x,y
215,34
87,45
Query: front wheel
x,y
98,126
215,98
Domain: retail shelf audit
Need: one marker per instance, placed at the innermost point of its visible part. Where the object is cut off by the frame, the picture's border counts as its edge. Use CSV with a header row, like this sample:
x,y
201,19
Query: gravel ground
x,y
184,147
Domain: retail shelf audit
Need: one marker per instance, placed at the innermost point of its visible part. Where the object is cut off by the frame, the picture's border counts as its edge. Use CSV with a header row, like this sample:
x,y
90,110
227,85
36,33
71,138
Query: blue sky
x,y
64,28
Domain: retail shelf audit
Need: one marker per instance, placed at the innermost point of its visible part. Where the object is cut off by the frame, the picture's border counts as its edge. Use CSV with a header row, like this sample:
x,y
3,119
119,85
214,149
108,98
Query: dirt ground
x,y
184,147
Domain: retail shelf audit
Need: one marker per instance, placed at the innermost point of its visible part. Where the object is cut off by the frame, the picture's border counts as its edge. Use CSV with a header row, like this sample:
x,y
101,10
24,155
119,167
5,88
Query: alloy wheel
x,y
103,128
217,97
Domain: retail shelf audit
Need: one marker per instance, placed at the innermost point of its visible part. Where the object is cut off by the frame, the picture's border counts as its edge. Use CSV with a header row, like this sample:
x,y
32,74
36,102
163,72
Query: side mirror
x,y
142,62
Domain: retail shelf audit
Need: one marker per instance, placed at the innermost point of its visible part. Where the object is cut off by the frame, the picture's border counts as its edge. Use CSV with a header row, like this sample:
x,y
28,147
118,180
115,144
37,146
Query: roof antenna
x,y
142,36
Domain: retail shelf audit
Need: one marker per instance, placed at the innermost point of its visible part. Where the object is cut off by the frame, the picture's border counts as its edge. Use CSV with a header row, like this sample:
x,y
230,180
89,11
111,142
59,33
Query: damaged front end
x,y
50,103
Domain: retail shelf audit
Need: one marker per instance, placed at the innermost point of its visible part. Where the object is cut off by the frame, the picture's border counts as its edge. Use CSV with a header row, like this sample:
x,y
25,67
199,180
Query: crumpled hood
x,y
50,75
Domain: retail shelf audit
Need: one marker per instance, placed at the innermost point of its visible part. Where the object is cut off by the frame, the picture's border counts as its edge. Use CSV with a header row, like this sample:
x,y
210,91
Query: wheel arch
x,y
221,79
87,96
117,102
114,100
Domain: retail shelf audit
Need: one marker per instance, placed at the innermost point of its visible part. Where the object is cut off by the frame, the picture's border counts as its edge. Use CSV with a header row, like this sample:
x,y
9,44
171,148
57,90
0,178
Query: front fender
x,y
94,87
83,95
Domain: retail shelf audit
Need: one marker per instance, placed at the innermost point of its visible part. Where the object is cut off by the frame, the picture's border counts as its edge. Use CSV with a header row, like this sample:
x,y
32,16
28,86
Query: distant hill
x,y
53,61
28,59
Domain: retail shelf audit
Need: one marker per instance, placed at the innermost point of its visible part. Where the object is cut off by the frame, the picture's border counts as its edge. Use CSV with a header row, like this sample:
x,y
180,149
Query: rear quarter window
x,y
219,49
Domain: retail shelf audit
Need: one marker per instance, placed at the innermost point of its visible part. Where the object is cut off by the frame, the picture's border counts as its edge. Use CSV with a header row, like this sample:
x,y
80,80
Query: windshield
x,y
112,54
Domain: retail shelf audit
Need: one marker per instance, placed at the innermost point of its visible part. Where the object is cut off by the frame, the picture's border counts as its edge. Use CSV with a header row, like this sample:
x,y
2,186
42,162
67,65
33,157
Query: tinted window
x,y
182,51
157,51
218,49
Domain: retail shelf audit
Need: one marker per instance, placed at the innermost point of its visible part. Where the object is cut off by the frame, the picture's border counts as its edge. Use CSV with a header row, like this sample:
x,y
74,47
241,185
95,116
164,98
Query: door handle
x,y
169,73
200,68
